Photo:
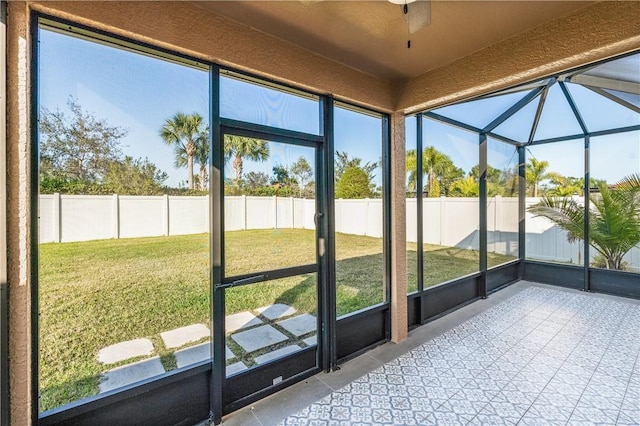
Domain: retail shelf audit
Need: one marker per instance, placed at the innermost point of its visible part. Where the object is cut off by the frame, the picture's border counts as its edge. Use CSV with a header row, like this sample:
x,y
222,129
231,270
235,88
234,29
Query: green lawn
x,y
446,263
97,293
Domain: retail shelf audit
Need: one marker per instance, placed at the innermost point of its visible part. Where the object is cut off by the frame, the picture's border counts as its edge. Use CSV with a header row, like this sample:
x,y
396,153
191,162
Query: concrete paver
x,y
300,325
183,335
269,356
276,311
258,338
125,350
240,320
236,368
131,373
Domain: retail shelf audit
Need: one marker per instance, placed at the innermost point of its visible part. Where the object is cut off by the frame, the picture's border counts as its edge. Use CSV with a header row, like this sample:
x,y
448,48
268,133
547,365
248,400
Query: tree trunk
x,y
237,167
203,177
190,151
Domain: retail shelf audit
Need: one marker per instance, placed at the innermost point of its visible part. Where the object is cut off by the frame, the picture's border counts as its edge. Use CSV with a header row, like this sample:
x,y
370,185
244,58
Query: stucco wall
x,y
597,32
18,214
185,28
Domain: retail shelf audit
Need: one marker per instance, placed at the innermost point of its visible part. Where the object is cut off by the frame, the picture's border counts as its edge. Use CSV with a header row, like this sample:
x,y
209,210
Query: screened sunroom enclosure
x,y
201,213
487,164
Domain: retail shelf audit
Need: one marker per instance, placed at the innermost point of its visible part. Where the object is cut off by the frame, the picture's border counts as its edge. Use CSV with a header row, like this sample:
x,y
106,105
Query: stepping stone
x,y
131,373
193,354
277,354
183,335
240,320
235,368
258,338
228,354
300,325
277,311
198,353
125,350
310,341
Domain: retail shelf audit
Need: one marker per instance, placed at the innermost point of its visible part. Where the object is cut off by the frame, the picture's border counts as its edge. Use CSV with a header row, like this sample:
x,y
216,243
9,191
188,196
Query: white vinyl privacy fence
x,y
449,222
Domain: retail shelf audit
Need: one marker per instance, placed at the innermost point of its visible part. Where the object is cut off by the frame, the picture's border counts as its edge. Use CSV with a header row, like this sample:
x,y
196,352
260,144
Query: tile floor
x,y
529,355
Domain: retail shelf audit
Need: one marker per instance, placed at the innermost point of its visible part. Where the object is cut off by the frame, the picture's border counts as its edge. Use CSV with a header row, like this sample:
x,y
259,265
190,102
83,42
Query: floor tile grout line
x,y
515,321
520,370
594,372
565,326
550,319
500,333
636,364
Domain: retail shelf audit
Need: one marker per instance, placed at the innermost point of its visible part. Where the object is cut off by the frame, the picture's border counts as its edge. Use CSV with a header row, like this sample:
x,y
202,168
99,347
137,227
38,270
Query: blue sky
x,y
139,93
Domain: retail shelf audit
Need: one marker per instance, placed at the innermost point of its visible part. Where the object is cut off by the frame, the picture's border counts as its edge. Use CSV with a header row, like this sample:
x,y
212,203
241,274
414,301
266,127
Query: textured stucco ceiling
x,y
371,36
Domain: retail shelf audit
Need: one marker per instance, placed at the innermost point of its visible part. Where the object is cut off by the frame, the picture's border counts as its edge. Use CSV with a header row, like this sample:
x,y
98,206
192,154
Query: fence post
x,y
244,212
442,229
115,211
497,225
293,210
56,218
366,220
275,212
166,231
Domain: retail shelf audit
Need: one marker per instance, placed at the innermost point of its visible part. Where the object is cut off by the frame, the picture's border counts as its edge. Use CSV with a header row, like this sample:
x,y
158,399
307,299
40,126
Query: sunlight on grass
x,y
97,293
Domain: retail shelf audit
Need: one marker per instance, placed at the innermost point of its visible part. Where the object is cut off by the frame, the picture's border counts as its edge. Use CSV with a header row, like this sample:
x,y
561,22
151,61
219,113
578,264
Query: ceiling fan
x,y
417,13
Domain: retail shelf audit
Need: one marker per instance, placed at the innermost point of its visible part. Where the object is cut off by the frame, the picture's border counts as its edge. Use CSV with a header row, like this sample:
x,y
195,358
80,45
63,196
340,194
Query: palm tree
x,y
185,132
465,187
240,147
201,157
536,171
435,165
614,219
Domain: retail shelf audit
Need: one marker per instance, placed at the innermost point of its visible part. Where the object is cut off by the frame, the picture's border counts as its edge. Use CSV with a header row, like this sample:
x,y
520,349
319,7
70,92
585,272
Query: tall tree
x,y
201,157
343,162
536,171
254,180
240,147
185,132
77,147
354,183
134,177
614,219
302,173
467,187
439,170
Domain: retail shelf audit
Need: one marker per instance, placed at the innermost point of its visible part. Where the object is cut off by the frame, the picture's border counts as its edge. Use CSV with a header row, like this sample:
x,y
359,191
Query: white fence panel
x,y
432,230
545,241
412,220
447,221
48,225
87,217
352,216
309,213
143,216
261,212
188,215
375,221
460,220
502,225
284,212
235,213
633,259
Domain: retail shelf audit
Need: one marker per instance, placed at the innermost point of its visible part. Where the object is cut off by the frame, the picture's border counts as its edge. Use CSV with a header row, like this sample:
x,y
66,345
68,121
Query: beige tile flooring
x,y
529,354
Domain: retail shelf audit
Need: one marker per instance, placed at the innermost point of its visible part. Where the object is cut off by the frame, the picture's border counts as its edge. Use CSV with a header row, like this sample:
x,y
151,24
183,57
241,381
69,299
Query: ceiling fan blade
x,y
419,15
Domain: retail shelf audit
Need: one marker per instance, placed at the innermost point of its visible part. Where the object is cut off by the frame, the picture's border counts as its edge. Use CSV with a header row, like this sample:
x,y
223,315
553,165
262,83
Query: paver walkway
x,y
253,338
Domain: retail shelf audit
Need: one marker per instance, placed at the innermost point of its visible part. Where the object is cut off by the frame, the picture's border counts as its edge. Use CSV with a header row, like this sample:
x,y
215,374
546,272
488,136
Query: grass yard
x,y
97,293
446,263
